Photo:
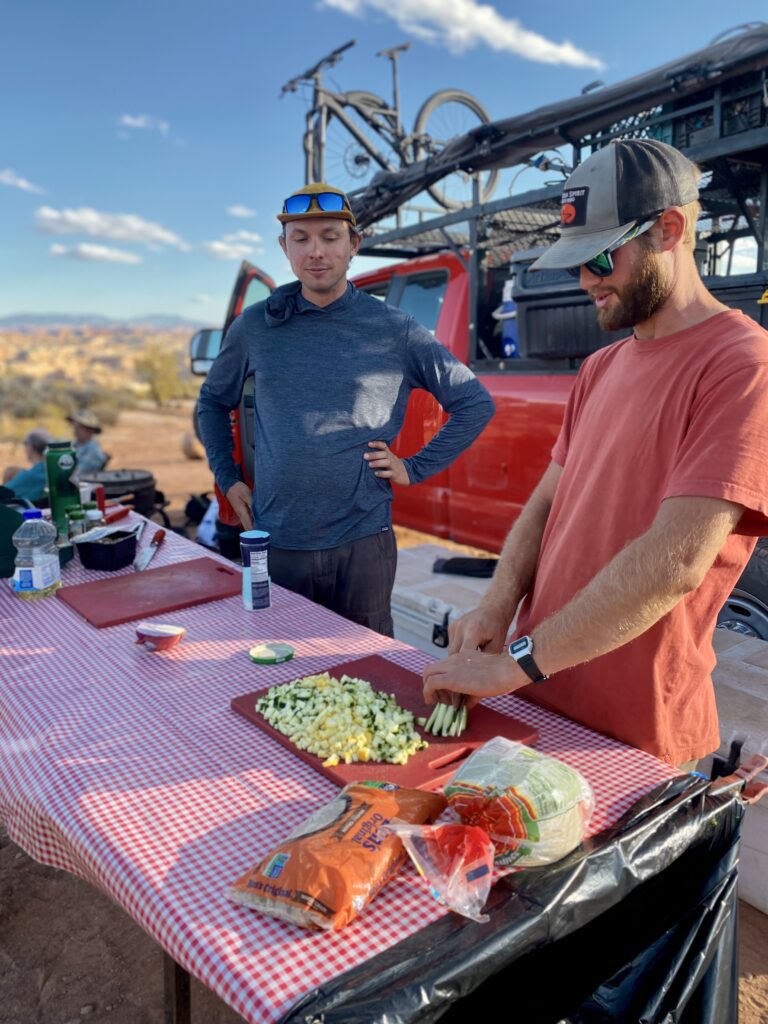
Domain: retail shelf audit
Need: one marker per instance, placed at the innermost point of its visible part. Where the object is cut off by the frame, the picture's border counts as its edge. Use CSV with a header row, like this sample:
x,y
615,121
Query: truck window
x,y
380,290
256,291
421,295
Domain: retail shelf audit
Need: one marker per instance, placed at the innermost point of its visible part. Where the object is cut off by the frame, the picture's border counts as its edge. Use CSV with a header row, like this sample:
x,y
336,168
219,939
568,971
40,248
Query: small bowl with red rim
x,y
159,636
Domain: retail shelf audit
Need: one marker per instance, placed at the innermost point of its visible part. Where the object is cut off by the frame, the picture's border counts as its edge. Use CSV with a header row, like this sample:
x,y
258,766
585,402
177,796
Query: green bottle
x,y
60,464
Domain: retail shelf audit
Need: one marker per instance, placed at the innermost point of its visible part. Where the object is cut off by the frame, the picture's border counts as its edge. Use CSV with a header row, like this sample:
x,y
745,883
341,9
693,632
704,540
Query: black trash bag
x,y
637,924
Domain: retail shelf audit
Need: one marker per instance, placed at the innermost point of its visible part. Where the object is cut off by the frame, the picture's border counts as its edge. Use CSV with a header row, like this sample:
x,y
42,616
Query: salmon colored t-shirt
x,y
686,414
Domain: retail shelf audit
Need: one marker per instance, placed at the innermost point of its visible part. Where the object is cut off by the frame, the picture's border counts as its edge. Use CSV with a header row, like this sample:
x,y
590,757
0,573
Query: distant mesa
x,y
154,321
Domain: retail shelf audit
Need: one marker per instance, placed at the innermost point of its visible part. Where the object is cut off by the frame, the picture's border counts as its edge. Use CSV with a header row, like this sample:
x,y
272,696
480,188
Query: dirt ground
x,y
67,954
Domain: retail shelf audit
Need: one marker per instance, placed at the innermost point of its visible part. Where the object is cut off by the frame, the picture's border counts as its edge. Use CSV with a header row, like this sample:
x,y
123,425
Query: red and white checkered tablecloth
x,y
129,769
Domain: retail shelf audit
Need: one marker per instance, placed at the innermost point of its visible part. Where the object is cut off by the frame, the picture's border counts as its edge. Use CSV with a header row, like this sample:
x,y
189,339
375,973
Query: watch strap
x,y
529,666
525,659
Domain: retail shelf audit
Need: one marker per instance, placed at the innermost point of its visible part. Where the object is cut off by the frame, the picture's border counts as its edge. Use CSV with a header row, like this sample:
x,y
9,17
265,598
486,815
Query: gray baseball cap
x,y
627,181
38,439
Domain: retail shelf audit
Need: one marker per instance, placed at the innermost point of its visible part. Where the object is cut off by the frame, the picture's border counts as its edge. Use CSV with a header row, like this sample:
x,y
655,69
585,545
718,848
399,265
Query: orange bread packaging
x,y
334,863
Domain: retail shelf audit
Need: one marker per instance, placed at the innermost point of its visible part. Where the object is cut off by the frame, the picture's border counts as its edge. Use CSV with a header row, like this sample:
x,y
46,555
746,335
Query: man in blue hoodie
x,y
332,369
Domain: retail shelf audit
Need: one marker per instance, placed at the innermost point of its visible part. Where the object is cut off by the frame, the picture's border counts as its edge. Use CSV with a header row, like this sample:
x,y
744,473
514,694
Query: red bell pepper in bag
x,y
455,860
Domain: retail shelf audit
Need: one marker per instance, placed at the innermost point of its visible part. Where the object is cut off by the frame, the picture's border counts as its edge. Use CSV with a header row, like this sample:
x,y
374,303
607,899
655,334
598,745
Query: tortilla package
x,y
331,867
533,807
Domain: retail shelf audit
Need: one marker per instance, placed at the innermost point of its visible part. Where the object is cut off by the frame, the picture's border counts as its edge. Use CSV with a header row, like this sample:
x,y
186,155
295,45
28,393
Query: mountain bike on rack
x,y
349,136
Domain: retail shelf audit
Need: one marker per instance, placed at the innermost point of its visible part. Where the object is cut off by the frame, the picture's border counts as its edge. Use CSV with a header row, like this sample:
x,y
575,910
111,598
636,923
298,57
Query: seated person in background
x,y
30,483
90,457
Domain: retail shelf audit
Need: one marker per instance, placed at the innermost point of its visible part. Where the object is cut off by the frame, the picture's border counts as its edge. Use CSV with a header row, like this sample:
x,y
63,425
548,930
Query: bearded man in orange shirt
x,y
657,488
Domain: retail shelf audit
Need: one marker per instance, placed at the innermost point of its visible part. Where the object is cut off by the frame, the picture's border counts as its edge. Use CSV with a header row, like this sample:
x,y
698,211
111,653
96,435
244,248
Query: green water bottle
x,y
60,464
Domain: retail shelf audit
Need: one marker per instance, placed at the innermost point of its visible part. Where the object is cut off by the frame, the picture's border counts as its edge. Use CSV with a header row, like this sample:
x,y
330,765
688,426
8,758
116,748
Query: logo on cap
x,y
573,212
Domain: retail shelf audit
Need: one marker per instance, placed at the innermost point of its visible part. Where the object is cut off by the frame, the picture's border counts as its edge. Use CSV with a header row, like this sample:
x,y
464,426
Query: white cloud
x,y
117,227
13,180
240,211
235,246
227,250
242,236
201,299
94,253
145,122
464,24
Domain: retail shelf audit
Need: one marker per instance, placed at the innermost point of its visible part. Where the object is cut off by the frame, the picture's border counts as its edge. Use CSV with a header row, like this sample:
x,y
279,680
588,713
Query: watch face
x,y
521,646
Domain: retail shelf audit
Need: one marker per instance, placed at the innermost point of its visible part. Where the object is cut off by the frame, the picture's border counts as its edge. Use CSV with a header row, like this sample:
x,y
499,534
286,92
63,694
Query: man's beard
x,y
638,300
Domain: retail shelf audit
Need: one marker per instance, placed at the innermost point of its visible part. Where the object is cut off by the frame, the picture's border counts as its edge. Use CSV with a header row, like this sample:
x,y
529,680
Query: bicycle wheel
x,y
443,116
348,165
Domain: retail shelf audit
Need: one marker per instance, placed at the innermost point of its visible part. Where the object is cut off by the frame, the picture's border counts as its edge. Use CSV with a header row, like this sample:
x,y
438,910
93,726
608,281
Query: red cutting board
x,y
138,595
428,769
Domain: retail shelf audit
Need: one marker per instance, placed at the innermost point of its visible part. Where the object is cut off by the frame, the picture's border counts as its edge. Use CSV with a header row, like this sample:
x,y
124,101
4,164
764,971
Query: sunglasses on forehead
x,y
602,264
328,202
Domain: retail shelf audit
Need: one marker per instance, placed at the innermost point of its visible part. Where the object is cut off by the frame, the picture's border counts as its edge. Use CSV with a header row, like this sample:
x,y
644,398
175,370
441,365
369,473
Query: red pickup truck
x,y
478,497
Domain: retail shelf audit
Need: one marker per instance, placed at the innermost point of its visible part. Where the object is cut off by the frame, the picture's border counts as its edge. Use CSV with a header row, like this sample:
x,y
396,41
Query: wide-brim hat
x,y
627,181
86,419
314,210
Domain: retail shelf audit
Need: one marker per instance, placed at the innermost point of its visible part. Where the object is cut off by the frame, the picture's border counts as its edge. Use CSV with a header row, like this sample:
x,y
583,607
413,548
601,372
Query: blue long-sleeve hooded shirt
x,y
326,381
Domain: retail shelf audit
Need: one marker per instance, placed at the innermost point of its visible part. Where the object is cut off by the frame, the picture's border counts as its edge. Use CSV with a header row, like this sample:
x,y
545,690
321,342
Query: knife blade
x,y
145,556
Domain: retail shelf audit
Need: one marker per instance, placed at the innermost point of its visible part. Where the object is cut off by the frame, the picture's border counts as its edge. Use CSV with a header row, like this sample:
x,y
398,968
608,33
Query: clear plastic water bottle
x,y
38,572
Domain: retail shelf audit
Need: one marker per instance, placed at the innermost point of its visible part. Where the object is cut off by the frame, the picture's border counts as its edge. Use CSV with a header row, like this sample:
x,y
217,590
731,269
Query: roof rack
x,y
711,104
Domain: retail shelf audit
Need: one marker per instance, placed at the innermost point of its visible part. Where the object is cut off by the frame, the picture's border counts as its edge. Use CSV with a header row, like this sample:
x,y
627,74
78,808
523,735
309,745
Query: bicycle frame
x,y
315,134
400,148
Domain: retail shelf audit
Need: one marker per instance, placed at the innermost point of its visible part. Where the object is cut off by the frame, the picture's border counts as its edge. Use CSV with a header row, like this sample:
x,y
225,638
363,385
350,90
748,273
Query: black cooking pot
x,y
116,482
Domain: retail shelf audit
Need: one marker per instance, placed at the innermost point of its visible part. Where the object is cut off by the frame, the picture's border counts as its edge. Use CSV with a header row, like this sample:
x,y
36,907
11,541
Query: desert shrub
x,y
161,369
27,402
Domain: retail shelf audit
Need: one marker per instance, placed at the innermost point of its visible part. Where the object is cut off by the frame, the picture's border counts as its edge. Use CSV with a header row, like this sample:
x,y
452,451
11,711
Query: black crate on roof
x,y
743,114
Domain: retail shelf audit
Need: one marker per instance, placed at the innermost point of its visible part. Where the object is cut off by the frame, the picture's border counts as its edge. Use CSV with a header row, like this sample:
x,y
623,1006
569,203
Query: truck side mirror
x,y
203,349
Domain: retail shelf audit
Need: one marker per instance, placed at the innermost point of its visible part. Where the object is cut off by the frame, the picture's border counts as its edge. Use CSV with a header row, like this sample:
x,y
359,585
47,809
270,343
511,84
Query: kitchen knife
x,y
145,556
115,514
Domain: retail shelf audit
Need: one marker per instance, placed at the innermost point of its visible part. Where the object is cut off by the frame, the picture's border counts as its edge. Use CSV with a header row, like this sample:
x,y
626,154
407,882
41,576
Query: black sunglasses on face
x,y
328,202
602,264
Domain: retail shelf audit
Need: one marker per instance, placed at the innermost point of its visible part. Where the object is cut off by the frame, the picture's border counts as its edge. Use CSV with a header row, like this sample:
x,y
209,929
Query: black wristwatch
x,y
522,651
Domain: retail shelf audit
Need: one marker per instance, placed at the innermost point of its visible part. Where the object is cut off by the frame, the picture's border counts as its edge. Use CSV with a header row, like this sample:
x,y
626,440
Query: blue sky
x,y
144,150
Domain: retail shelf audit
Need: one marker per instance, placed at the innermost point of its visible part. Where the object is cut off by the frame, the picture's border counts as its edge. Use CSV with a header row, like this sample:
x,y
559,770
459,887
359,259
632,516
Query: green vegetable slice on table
x,y
446,719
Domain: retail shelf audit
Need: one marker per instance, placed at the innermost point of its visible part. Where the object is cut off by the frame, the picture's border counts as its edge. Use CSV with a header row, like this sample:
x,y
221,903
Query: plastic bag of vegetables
x,y
533,807
456,861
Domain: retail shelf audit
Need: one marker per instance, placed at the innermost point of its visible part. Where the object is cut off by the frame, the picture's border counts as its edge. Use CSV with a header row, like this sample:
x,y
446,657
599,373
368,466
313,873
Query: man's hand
x,y
484,629
240,498
473,673
386,464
